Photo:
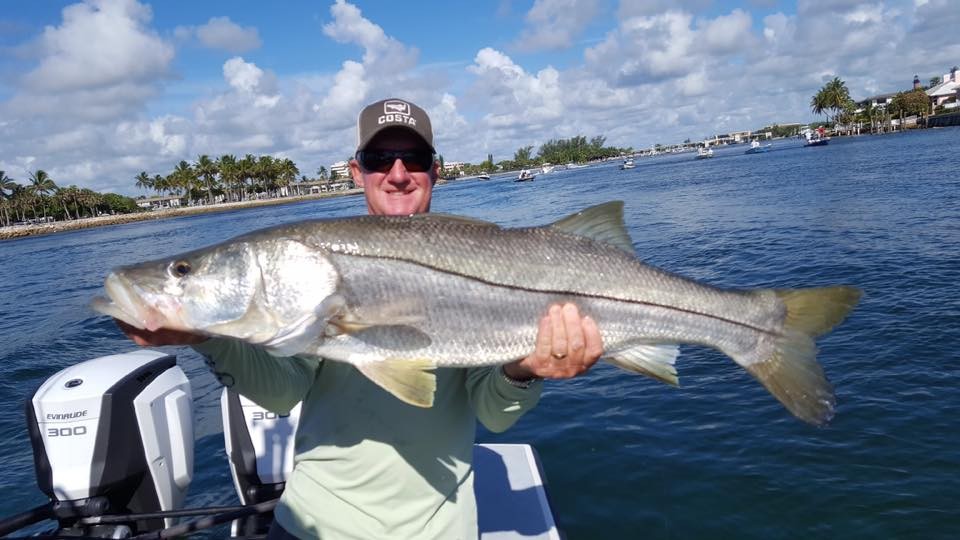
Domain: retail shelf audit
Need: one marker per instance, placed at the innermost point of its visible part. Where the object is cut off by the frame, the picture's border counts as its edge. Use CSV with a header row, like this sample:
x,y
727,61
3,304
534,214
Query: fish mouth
x,y
129,303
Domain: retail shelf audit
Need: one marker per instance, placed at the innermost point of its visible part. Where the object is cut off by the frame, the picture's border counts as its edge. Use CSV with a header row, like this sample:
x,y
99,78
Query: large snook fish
x,y
398,296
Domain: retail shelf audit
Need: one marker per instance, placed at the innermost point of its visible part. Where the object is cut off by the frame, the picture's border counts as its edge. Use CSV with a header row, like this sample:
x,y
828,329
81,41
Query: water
x,y
627,457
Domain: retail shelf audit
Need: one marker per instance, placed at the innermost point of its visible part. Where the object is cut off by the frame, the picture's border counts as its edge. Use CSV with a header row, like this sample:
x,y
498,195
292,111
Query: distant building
x,y
449,166
155,203
342,168
947,93
879,101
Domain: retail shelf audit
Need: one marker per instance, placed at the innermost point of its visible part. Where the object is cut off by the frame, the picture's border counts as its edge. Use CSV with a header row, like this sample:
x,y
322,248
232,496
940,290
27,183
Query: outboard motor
x,y
259,447
113,435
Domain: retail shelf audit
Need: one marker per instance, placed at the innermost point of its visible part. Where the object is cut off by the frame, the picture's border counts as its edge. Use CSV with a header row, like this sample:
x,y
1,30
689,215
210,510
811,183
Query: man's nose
x,y
398,172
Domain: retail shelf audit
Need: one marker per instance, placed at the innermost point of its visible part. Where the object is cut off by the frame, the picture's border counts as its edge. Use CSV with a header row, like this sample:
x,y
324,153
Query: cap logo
x,y
400,107
395,111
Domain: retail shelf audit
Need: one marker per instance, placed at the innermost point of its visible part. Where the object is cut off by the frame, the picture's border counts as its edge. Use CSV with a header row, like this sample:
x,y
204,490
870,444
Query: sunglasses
x,y
382,160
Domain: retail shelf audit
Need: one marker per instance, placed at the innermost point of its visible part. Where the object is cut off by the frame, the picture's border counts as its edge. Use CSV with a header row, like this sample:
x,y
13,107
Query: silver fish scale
x,y
534,259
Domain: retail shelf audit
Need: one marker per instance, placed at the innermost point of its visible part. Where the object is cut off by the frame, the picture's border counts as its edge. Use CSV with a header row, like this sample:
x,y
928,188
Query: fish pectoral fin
x,y
298,338
400,312
410,380
655,361
603,223
256,325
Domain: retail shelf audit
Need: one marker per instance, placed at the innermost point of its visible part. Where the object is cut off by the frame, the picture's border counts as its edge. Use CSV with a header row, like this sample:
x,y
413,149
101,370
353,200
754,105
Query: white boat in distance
x,y
704,153
815,138
525,176
627,164
547,168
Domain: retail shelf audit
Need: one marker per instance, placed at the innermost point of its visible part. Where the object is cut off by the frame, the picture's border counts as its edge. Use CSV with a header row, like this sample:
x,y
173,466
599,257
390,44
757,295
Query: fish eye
x,y
179,269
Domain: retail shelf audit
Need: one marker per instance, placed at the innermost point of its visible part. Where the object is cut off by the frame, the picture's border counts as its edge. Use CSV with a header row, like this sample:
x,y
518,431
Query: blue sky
x,y
95,91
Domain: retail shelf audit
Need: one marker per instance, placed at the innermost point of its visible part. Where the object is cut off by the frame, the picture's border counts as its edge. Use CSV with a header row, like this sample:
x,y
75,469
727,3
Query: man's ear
x,y
436,170
356,173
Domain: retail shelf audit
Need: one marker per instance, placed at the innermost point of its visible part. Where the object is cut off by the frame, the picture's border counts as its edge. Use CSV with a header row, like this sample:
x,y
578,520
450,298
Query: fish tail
x,y
789,369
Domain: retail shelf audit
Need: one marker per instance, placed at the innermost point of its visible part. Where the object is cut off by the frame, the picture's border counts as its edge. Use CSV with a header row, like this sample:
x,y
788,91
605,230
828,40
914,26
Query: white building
x,y
947,93
342,168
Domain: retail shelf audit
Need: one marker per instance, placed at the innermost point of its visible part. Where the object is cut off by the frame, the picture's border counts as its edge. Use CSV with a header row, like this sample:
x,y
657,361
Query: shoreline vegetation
x,y
23,231
243,181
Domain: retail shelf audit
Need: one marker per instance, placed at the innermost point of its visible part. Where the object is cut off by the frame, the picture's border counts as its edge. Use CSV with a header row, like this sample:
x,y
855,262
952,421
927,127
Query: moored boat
x,y
525,176
815,137
757,148
627,164
704,153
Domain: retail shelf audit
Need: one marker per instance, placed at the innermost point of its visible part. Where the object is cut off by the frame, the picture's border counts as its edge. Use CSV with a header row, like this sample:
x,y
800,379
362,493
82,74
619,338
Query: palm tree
x,y
207,170
247,168
157,183
6,185
229,173
143,180
41,185
834,96
183,177
287,172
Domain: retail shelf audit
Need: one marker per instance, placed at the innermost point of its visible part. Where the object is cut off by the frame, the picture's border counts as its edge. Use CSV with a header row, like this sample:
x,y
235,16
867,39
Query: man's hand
x,y
567,345
146,338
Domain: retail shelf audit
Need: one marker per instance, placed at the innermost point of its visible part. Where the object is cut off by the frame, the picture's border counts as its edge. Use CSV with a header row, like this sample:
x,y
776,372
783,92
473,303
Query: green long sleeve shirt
x,y
368,465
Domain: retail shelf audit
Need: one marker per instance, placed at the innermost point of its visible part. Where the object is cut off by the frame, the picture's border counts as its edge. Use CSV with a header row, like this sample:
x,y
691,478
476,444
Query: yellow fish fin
x,y
410,380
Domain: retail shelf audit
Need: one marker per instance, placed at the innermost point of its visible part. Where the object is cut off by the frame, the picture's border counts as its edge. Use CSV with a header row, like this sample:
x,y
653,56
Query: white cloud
x,y
85,106
555,24
222,33
101,43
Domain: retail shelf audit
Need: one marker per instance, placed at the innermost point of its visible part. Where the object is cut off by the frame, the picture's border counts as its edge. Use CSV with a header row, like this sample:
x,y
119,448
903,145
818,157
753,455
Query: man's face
x,y
392,187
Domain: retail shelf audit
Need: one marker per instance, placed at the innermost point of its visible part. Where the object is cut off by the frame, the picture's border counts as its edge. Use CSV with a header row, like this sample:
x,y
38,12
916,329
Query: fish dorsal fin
x,y
603,223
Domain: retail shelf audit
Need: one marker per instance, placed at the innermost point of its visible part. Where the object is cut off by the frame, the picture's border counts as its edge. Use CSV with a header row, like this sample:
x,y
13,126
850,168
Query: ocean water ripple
x,y
625,456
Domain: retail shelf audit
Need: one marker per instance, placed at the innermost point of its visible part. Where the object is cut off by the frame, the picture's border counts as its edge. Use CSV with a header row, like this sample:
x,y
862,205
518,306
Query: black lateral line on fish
x,y
571,293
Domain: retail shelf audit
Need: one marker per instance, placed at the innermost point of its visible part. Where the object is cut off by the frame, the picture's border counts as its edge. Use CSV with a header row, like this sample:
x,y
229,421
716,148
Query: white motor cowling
x,y
114,435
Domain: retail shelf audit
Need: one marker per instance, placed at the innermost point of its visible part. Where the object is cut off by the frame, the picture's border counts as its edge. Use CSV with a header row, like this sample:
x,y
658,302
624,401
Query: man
x,y
368,465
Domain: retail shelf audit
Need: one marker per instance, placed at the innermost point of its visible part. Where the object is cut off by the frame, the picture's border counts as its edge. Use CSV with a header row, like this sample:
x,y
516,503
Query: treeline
x,y
557,151
226,178
42,200
834,97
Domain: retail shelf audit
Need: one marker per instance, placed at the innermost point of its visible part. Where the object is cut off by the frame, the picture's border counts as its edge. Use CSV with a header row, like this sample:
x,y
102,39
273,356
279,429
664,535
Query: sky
x,y
95,91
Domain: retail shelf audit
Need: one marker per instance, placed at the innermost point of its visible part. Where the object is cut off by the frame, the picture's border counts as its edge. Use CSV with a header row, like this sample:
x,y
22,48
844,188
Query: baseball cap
x,y
389,113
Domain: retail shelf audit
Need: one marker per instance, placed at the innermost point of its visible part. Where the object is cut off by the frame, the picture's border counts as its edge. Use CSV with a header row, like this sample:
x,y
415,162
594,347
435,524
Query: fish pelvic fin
x,y
791,373
603,223
654,361
410,380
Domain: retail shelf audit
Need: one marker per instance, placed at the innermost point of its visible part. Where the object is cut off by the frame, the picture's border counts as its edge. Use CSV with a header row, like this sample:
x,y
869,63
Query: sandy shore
x,y
20,231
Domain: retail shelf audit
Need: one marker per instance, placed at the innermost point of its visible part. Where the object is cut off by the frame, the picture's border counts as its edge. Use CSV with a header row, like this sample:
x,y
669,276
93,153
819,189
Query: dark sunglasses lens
x,y
382,161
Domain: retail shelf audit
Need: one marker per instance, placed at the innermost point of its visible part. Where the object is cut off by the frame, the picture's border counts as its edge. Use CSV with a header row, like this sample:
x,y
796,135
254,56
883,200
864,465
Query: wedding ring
x,y
559,356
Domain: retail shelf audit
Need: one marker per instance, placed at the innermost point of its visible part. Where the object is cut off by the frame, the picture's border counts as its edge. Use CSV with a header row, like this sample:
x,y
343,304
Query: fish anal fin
x,y
603,223
654,361
410,380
